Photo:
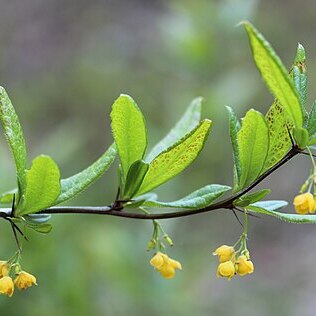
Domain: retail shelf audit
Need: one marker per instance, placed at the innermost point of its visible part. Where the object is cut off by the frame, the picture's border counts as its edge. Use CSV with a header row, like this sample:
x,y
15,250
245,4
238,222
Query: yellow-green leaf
x,y
176,158
279,139
274,74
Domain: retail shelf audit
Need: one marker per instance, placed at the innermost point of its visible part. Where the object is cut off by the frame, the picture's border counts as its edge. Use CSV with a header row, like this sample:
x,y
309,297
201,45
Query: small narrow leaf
x,y
129,131
197,199
188,121
279,138
234,127
299,75
311,123
270,207
14,134
72,186
274,74
176,158
251,198
42,185
135,177
253,140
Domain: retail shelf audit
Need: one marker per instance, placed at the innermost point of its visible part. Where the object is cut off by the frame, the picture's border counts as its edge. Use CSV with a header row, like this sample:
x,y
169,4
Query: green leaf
x,y
129,131
270,207
311,123
279,139
299,76
274,74
188,121
77,183
251,198
234,127
135,177
44,228
36,219
195,200
301,137
176,158
253,140
42,185
139,200
7,197
14,134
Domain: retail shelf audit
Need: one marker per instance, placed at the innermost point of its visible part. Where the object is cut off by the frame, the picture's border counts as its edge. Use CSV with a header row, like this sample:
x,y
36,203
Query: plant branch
x,y
116,209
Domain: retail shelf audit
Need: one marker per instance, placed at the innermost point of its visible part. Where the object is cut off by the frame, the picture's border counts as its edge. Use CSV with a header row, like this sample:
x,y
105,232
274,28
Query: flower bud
x,y
151,244
168,240
226,269
244,266
6,286
304,203
224,253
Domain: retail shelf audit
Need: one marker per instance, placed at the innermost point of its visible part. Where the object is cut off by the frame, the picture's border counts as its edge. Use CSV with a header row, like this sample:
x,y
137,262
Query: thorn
x,y
15,236
307,154
13,207
118,193
290,135
249,214
233,210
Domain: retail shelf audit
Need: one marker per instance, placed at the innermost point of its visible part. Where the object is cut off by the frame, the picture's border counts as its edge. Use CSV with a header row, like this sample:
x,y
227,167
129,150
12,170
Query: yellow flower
x,y
224,253
6,286
24,280
244,266
165,265
226,269
4,268
304,203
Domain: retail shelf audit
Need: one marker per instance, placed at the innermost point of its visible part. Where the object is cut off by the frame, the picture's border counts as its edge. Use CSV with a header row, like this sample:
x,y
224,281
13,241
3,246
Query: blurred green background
x,y
64,63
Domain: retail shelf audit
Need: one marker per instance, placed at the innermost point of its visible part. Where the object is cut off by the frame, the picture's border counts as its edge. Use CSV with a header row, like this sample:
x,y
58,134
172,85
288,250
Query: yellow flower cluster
x,y
165,265
229,266
304,203
22,280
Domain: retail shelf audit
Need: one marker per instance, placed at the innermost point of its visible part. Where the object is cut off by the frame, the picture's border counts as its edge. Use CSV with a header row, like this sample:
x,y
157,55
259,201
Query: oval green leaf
x,y
129,131
42,185
14,134
253,142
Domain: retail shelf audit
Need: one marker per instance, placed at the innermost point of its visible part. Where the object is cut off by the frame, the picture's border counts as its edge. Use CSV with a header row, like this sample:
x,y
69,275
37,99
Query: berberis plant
x,y
260,144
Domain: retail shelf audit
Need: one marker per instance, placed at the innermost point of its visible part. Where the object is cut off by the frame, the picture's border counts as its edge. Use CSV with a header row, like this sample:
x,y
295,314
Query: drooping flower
x,y
24,280
6,286
304,203
4,268
165,265
226,269
244,265
224,253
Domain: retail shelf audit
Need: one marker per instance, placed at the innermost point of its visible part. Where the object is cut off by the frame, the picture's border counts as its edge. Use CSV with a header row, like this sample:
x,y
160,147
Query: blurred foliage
x,y
63,64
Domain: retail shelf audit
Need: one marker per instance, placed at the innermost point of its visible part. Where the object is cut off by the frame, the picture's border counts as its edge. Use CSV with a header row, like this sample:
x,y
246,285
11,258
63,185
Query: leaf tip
x,y
300,54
